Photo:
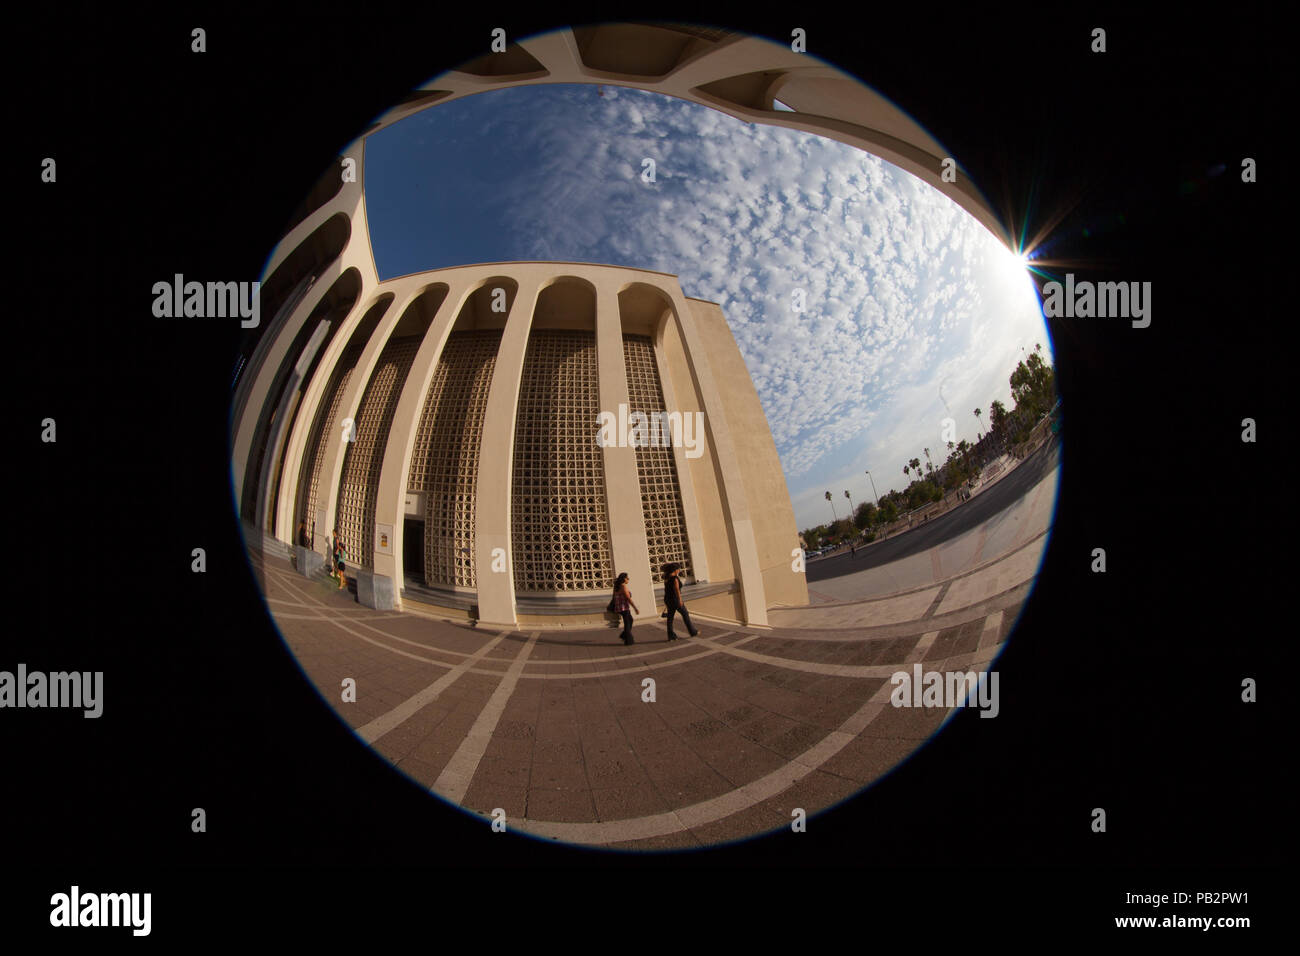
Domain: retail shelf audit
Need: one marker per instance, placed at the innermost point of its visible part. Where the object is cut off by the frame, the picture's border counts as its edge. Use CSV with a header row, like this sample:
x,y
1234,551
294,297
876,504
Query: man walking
x,y
673,601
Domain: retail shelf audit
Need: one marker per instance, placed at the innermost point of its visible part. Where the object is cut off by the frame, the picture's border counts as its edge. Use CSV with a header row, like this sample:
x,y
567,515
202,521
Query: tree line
x,y
1033,395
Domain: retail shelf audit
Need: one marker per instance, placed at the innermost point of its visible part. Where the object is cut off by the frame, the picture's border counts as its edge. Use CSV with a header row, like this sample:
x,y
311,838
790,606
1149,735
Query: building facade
x,y
499,441
459,407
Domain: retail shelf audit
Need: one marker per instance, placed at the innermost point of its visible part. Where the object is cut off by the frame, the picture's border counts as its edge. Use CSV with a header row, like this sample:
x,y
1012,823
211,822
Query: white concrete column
x,y
734,501
260,390
290,405
335,448
355,254
390,505
630,550
496,589
313,397
685,480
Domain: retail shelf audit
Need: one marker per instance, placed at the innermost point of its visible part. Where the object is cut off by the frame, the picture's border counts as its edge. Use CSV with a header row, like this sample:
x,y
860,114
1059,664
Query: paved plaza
x,y
747,724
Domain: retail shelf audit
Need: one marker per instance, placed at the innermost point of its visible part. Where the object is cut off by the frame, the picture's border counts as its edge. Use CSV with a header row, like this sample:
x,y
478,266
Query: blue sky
x,y
915,312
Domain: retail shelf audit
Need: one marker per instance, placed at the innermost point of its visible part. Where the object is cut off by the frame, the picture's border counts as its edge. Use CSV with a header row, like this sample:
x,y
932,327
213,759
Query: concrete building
x,y
427,406
474,434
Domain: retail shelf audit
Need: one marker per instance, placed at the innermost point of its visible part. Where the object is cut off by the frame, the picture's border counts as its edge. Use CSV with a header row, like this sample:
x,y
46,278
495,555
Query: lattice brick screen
x,y
661,494
309,497
560,531
365,456
445,458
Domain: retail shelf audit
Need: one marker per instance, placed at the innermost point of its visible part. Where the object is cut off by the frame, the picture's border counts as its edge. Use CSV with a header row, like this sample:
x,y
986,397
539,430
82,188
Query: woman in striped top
x,y
623,601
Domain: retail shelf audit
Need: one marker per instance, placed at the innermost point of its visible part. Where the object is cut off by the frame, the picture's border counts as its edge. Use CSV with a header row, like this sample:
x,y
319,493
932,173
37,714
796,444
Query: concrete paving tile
x,y
515,751
777,700
681,788
867,759
622,803
672,841
557,730
813,792
434,752
892,651
486,796
549,771
765,726
561,806
943,644
741,714
751,822
795,741
832,714
616,770
515,730
701,729
421,771
743,763
914,723
503,772
399,742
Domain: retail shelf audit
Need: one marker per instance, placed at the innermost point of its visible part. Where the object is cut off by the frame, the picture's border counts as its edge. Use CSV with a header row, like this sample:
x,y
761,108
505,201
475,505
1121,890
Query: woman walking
x,y
673,601
622,601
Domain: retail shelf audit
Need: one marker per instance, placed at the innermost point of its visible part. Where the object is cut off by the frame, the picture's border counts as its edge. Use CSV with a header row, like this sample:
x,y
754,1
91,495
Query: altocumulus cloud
x,y
909,313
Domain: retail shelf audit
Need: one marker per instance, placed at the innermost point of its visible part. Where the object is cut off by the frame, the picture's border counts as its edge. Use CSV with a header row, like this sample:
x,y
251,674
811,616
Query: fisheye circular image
x,y
651,438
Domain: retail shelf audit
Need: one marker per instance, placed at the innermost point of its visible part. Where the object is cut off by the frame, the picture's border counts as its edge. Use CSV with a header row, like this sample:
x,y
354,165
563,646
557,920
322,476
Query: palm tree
x,y
850,497
837,517
998,421
928,462
916,466
981,421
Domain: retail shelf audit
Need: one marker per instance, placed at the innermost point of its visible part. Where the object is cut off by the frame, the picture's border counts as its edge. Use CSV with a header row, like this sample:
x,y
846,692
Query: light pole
x,y
873,490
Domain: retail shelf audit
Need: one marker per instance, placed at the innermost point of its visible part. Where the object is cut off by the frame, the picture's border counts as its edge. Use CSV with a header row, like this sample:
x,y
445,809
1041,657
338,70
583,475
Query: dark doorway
x,y
413,549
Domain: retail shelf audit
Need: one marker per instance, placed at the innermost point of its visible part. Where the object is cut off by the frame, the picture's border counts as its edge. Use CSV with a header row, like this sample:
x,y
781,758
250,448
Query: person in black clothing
x,y
673,601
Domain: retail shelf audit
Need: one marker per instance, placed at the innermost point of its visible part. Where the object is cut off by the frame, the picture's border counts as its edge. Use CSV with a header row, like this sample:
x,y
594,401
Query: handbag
x,y
610,609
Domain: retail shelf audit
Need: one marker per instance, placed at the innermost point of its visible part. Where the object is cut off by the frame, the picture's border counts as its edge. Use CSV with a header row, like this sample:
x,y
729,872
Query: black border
x,y
174,162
